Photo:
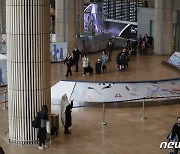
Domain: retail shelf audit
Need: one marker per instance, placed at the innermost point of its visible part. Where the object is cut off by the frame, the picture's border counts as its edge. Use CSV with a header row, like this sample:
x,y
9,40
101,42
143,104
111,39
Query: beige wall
x,y
151,3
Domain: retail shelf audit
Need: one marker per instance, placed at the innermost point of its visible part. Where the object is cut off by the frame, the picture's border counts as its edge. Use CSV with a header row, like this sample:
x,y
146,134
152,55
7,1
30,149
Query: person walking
x,y
85,61
43,115
76,56
66,117
69,62
176,131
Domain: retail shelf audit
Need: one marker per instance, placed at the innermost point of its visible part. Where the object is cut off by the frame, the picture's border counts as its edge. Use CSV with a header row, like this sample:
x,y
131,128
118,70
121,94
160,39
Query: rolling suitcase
x,y
98,68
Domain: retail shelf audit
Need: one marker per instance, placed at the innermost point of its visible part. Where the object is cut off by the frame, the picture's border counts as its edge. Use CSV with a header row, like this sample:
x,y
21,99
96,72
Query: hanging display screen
x,y
125,10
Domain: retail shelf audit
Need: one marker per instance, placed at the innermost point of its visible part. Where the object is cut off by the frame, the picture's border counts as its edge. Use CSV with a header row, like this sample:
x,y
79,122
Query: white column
x,y
163,41
66,22
28,46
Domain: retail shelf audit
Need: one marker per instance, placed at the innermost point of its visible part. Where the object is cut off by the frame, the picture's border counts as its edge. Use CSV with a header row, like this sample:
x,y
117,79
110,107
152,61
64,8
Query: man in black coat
x,y
110,48
69,62
76,56
176,131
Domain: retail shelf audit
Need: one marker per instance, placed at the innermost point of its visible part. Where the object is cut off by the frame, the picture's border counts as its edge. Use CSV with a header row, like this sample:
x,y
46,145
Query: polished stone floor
x,y
125,132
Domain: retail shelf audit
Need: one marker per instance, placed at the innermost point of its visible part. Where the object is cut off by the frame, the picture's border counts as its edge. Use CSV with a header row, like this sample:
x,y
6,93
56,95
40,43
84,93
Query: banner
x,y
3,70
58,51
175,60
115,91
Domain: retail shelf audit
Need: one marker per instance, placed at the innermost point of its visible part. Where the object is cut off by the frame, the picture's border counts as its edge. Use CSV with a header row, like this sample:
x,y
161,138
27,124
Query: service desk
x,y
93,43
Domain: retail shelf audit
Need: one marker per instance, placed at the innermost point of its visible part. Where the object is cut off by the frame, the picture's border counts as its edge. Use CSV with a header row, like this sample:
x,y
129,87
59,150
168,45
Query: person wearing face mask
x,y
176,131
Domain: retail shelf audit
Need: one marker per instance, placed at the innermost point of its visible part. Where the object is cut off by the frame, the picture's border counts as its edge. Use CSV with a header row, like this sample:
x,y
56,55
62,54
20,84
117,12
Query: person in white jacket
x,y
85,61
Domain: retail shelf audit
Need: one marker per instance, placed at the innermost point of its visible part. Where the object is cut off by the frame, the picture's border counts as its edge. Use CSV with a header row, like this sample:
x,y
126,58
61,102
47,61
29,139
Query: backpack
x,y
36,121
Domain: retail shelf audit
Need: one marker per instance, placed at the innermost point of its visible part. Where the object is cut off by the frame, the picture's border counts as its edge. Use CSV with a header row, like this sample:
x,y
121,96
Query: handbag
x,y
48,127
36,121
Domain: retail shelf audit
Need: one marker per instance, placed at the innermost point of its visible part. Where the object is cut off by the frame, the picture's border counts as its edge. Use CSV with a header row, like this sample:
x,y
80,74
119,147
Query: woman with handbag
x,y
43,114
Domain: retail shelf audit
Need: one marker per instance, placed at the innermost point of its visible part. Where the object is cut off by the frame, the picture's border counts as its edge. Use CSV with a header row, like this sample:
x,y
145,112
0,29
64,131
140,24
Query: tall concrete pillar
x,y
28,46
163,41
66,22
80,16
3,16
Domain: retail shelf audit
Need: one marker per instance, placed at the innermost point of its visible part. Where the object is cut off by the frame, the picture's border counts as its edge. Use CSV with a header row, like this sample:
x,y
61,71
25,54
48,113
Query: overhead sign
x,y
175,60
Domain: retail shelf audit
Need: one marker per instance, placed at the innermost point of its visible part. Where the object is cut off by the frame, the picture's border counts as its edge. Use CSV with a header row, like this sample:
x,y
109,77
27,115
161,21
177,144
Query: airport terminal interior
x,y
30,68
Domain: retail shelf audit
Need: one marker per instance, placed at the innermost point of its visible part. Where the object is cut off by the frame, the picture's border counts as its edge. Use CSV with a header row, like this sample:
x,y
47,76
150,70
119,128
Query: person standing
x,y
69,62
1,78
98,66
1,150
140,41
76,56
110,47
104,60
43,115
176,131
66,117
85,61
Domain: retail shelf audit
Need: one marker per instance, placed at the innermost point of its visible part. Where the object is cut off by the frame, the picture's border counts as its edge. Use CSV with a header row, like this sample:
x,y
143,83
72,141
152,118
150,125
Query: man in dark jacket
x,y
76,56
109,48
69,62
176,131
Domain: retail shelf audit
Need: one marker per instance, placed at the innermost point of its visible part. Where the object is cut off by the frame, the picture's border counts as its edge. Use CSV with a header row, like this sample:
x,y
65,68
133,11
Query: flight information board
x,y
122,9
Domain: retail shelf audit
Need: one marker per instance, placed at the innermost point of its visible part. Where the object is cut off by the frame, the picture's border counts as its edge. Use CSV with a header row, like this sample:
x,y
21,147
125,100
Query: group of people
x,y
66,120
144,43
74,60
100,65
